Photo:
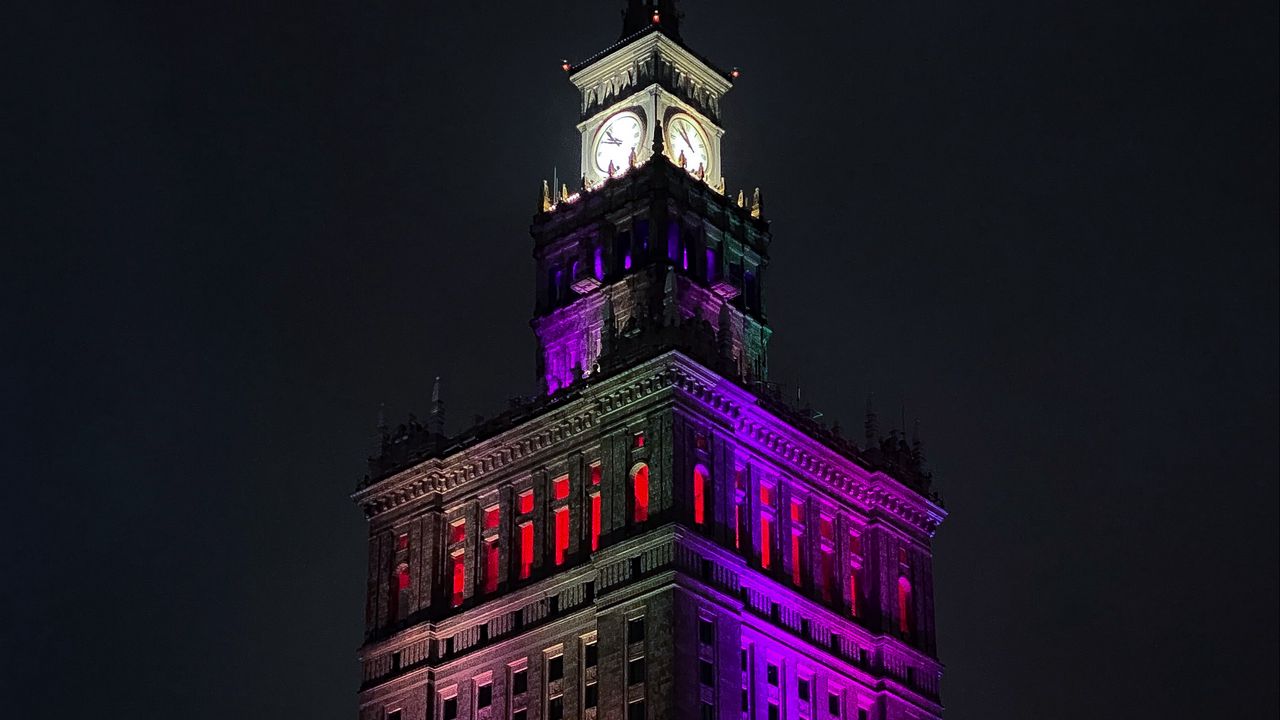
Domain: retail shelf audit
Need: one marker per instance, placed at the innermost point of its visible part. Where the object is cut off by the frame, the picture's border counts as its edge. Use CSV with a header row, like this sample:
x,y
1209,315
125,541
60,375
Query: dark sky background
x,y
231,230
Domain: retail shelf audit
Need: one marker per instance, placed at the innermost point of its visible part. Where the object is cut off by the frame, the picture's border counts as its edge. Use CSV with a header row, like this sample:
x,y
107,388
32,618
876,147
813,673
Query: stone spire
x,y
435,423
872,424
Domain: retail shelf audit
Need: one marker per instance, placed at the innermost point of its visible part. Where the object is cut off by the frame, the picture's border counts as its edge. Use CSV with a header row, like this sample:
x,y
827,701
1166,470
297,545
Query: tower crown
x,y
649,78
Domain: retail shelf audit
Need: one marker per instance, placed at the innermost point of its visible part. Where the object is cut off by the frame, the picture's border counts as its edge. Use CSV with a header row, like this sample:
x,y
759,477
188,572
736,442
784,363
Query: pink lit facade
x,y
653,535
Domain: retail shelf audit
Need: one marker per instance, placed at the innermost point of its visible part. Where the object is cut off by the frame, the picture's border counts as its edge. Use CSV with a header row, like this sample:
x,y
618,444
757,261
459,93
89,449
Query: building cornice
x,y
546,433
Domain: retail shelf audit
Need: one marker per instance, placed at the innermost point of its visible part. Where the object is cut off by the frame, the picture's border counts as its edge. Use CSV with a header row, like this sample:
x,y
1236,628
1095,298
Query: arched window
x,y
904,605
640,492
699,494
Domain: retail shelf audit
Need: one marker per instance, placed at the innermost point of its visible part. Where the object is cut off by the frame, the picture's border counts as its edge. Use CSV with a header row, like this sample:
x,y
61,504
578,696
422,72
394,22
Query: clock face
x,y
618,137
685,136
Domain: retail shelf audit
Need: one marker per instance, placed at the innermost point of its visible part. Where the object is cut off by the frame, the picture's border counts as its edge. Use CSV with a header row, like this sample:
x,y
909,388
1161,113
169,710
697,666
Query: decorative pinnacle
x,y
564,192
757,204
544,203
435,423
659,145
641,14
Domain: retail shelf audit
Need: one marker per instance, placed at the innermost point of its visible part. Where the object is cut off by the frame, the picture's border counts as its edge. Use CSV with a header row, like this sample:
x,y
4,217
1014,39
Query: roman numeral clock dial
x,y
685,136
618,137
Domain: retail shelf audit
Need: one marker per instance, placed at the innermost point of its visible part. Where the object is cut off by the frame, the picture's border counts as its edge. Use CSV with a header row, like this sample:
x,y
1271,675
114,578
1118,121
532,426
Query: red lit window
x,y
492,559
524,501
766,495
855,544
765,541
640,488
560,488
491,517
595,521
737,525
699,494
402,541
526,549
825,528
797,558
596,473
853,592
904,606
701,441
740,479
639,440
398,602
459,578
828,573
797,511
458,531
562,534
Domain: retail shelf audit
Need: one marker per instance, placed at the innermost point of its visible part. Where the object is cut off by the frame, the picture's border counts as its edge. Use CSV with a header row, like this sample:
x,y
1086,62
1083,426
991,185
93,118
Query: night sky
x,y
232,230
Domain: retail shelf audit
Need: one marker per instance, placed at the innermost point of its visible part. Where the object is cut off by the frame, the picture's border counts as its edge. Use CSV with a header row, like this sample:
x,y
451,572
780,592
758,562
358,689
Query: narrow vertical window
x,y
526,549
765,542
640,491
853,592
524,502
766,525
492,560
562,534
595,521
560,488
797,558
904,606
828,574
458,531
699,494
739,509
459,577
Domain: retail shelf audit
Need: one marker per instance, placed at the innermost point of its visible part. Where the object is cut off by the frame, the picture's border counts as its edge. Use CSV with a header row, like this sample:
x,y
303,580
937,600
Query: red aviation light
x,y
565,66
656,19
735,73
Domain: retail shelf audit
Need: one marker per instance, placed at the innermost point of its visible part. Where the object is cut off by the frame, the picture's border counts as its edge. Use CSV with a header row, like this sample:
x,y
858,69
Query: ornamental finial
x,y
659,145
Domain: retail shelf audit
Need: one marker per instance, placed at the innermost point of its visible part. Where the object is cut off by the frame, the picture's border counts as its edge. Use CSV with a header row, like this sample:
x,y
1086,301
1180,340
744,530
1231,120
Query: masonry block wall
x,y
771,573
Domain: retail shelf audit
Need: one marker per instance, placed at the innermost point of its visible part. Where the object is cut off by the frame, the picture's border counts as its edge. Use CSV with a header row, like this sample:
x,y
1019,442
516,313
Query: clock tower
x,y
650,79
654,534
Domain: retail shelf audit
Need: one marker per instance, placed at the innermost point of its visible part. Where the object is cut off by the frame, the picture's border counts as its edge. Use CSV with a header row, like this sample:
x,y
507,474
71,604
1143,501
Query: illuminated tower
x,y
655,535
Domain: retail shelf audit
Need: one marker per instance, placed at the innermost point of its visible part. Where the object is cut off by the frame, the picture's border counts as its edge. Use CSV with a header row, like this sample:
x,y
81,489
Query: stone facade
x,y
654,536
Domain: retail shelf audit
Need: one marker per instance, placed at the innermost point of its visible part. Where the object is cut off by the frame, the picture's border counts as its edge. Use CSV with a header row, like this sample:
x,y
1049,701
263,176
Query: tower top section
x,y
649,80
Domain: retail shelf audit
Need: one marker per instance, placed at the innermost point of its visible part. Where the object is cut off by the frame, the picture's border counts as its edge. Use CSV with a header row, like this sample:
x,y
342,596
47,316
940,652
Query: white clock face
x,y
618,138
684,136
